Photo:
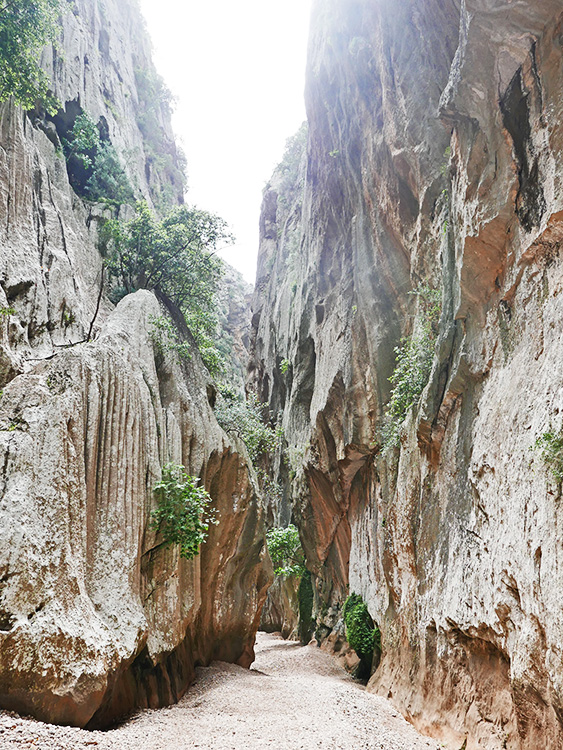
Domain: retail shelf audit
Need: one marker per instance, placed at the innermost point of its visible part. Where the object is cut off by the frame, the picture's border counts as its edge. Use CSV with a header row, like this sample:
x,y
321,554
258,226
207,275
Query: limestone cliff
x,y
434,158
97,615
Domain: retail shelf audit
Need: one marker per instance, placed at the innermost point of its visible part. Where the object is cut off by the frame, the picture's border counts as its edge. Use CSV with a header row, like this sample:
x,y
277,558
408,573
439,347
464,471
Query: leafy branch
x,y
286,552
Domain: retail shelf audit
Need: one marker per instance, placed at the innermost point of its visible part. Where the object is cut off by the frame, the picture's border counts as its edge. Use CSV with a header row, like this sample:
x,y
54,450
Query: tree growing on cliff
x,y
26,26
250,420
361,632
175,257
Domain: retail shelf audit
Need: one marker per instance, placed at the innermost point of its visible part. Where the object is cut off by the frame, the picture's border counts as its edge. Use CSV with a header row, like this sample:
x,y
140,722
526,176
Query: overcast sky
x,y
236,68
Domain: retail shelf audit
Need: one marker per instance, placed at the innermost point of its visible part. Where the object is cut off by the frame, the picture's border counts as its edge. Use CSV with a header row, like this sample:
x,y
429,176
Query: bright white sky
x,y
237,70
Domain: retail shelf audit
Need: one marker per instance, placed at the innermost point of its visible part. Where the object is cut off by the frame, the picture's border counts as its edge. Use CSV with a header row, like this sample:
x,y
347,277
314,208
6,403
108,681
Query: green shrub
x,y
550,446
108,181
26,26
202,325
162,154
166,338
362,635
183,514
286,552
245,419
285,364
93,166
413,365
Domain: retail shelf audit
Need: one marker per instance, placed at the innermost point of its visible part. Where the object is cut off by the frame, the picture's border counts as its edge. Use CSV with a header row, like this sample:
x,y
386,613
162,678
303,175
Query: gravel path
x,y
293,698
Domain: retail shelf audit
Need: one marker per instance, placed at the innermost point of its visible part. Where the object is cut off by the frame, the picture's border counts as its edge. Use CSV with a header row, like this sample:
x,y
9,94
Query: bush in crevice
x,y
550,446
361,632
183,513
94,169
245,418
305,599
414,357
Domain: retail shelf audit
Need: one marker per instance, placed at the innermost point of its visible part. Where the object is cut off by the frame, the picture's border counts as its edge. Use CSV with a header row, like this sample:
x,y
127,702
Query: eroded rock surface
x,y
434,157
97,614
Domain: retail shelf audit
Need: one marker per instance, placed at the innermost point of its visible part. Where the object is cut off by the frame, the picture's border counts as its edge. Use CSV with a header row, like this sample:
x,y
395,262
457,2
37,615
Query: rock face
x,y
434,158
234,314
97,614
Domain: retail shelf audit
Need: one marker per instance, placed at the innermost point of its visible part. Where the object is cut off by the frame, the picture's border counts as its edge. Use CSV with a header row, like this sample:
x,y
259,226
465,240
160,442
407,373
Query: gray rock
x,y
453,541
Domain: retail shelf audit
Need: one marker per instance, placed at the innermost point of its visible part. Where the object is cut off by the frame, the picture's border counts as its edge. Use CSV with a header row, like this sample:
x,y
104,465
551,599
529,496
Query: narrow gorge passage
x,y
293,698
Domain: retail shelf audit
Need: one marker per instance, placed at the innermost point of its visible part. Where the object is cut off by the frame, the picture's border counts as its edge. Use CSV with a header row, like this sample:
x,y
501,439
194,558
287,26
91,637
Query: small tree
x,y
286,552
26,26
176,257
413,365
183,514
550,446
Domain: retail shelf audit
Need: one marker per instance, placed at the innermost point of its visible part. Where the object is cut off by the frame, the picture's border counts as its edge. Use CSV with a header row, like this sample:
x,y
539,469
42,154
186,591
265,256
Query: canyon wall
x,y
97,615
433,160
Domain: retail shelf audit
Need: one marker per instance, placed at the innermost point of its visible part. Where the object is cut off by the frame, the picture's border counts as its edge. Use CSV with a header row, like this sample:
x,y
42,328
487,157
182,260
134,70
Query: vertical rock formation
x,y
433,159
97,614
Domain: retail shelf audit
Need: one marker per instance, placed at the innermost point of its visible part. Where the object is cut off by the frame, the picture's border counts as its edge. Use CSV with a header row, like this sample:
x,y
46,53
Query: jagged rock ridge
x,y
434,157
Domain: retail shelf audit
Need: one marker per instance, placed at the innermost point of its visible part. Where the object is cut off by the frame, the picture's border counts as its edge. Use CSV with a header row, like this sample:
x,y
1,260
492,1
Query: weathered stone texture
x,y
434,156
97,615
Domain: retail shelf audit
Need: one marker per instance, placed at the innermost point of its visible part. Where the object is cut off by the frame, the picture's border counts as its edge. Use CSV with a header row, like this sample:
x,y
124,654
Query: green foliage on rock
x,y
166,337
286,552
361,633
183,513
162,154
93,166
175,257
245,418
550,446
290,165
414,357
26,27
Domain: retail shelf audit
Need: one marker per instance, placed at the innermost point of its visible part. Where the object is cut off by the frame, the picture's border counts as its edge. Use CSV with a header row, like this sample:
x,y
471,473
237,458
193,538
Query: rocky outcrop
x,y
97,614
433,158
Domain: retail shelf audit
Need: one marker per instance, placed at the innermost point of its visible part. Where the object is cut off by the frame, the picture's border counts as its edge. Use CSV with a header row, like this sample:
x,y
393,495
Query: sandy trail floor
x,y
293,698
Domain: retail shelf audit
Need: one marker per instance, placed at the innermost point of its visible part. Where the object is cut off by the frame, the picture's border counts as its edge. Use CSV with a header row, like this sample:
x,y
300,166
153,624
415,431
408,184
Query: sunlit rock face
x,y
434,157
97,615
